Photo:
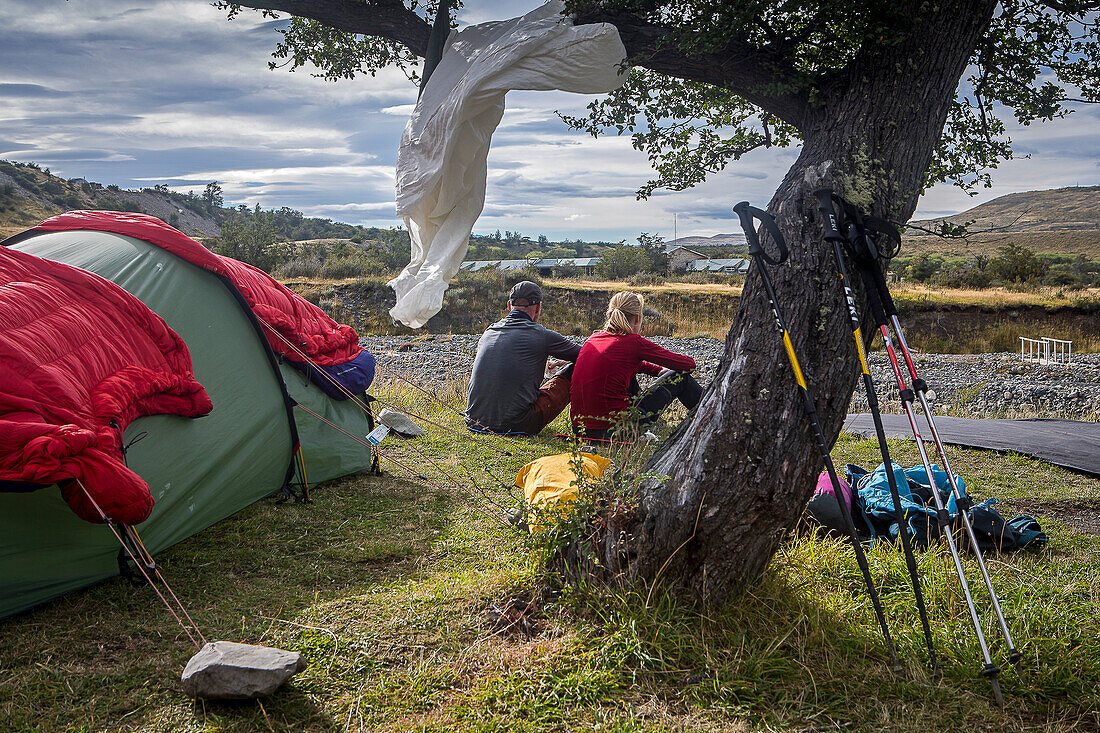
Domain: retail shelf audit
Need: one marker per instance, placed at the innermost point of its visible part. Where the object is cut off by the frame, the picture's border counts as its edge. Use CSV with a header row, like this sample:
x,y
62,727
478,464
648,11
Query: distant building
x,y
475,265
734,266
544,266
679,257
587,265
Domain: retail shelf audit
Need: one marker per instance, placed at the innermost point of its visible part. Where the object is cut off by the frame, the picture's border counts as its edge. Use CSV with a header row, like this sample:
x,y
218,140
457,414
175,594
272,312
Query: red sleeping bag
x,y
324,341
77,353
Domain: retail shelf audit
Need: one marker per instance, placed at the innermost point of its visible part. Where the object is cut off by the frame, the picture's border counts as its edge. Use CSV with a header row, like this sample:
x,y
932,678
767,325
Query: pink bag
x,y
825,486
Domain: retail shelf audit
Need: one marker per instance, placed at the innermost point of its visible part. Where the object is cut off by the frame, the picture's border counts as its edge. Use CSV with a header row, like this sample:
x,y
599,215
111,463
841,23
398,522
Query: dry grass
x,y
1065,242
1045,297
667,287
697,309
999,297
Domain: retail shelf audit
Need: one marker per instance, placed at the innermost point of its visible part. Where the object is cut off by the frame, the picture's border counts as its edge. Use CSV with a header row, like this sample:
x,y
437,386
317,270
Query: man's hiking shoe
x,y
399,423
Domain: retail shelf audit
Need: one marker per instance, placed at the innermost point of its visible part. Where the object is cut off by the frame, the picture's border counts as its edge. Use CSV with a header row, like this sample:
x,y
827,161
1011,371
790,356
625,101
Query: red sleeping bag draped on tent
x,y
77,353
324,341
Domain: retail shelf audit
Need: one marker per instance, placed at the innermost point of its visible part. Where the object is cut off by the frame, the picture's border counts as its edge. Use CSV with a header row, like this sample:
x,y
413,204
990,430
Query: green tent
x,y
199,471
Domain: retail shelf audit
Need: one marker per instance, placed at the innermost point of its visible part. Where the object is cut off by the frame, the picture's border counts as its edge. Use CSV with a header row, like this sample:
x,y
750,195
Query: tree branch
x,y
947,230
388,19
1071,6
752,73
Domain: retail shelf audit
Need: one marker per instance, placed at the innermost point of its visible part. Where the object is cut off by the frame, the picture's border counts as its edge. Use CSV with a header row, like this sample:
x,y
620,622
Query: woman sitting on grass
x,y
604,378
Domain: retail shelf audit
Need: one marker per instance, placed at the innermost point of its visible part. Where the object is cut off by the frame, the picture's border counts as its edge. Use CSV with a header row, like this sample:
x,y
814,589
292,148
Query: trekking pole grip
x,y
828,213
747,213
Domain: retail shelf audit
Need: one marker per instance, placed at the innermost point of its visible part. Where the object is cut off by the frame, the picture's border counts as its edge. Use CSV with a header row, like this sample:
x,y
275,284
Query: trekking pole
x,y
835,238
962,502
865,254
746,214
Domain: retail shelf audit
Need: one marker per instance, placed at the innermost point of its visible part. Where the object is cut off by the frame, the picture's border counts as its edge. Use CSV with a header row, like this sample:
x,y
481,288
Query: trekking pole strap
x,y
747,213
882,290
862,235
866,233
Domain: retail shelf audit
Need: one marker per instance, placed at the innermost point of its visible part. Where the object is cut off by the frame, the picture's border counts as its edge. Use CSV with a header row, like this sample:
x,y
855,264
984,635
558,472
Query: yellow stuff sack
x,y
552,480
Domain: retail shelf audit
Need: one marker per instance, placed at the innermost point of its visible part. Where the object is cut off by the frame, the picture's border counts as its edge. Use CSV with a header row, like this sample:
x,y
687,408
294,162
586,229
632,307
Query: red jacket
x,y
600,387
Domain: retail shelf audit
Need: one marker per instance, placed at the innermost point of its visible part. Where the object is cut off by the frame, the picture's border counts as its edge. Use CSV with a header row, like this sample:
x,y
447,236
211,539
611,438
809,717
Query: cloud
x,y
64,120
9,90
61,155
521,186
749,174
137,92
399,110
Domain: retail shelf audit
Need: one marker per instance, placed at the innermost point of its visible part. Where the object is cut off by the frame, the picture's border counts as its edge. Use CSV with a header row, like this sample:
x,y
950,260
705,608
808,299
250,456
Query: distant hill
x,y
29,194
1064,221
1056,221
1057,209
718,240
1070,242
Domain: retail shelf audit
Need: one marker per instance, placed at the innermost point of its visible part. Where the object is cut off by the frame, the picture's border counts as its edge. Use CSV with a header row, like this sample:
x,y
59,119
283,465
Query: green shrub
x,y
343,267
1016,264
307,266
1062,275
965,275
491,283
646,278
923,267
567,272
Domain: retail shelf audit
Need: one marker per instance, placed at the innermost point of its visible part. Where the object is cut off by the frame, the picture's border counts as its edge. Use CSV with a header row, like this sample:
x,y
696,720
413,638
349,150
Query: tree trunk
x,y
740,469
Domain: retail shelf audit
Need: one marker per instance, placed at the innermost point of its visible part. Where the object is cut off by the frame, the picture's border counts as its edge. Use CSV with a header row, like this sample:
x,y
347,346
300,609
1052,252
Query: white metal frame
x,y
1046,350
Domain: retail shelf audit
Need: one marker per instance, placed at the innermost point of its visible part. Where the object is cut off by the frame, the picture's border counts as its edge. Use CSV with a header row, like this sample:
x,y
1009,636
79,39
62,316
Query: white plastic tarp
x,y
441,164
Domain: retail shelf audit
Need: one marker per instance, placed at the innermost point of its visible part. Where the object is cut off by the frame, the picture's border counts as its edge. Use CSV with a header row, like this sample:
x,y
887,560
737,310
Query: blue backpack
x,y
993,531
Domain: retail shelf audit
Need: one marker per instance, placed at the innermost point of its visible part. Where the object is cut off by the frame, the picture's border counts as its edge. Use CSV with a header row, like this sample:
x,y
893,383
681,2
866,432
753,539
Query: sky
x,y
170,92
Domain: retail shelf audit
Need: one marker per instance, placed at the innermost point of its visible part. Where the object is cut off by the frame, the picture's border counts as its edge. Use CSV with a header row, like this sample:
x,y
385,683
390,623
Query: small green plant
x,y
963,397
646,278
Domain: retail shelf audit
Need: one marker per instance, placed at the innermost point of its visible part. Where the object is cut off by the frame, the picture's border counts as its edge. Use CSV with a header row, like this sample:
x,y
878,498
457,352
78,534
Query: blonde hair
x,y
623,308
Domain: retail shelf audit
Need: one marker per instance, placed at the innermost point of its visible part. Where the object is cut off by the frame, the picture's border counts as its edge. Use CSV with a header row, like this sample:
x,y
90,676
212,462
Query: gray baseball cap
x,y
525,291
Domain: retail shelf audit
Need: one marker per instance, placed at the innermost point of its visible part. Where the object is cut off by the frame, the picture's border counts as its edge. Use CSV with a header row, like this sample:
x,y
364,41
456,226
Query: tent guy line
x,y
355,399
142,565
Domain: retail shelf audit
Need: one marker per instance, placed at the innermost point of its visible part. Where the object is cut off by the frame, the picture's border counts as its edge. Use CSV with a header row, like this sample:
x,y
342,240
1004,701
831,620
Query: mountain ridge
x,y
1055,209
1058,220
29,194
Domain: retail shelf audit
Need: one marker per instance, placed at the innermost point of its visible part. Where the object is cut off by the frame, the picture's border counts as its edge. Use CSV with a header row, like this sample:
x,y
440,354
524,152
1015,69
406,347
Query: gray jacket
x,y
509,369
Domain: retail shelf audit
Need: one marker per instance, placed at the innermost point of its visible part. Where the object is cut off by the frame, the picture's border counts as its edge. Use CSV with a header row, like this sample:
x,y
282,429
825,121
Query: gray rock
x,y
970,385
400,423
224,670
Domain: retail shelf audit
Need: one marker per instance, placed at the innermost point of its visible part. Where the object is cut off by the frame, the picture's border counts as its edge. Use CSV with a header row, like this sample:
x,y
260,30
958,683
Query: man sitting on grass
x,y
505,396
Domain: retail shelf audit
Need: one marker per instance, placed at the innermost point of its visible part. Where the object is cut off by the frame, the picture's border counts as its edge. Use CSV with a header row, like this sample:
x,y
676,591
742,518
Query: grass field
x,y
418,608
1071,242
903,293
936,320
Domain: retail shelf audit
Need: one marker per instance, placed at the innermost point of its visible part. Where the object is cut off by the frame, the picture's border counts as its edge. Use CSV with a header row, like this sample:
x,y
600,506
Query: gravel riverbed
x,y
972,385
